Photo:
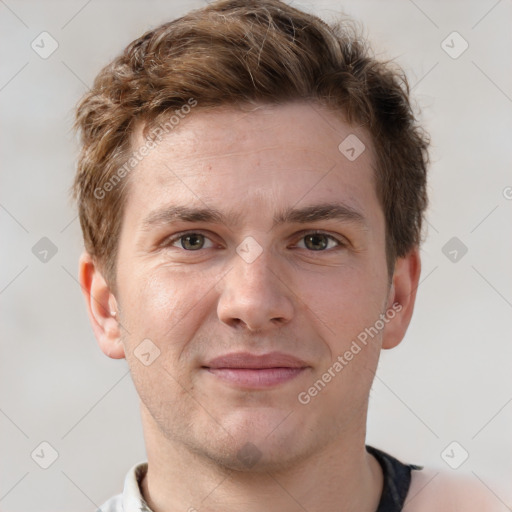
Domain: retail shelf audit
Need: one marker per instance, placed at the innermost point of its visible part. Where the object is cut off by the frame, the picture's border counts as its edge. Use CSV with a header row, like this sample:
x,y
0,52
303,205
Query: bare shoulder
x,y
445,492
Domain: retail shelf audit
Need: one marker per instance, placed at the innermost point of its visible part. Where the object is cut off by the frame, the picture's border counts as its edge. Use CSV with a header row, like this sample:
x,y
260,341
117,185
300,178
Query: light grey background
x,y
450,379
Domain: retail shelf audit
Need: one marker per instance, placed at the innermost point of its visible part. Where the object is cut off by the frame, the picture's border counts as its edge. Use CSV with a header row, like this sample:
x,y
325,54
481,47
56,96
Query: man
x,y
251,191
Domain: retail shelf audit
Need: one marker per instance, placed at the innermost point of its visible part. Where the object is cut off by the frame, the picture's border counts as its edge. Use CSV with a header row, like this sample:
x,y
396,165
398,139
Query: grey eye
x,y
192,242
318,241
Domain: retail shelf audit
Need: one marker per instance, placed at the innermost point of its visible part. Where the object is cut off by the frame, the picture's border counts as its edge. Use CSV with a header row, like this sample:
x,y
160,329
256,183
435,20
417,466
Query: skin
x,y
252,164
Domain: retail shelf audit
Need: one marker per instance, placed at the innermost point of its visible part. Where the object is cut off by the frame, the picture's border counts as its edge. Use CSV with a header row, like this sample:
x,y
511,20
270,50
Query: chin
x,y
247,457
259,441
262,425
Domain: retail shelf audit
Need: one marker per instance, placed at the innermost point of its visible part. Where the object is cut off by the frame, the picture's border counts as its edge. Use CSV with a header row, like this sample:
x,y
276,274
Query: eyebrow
x,y
313,213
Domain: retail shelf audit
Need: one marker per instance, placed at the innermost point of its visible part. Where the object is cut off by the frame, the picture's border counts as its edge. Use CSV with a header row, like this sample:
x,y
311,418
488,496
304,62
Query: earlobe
x,y
403,293
101,307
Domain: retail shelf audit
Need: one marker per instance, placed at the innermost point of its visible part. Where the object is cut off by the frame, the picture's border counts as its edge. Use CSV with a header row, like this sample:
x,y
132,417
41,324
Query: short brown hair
x,y
234,52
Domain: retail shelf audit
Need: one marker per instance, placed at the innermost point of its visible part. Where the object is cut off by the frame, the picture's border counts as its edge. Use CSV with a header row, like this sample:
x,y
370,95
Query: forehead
x,y
270,154
308,128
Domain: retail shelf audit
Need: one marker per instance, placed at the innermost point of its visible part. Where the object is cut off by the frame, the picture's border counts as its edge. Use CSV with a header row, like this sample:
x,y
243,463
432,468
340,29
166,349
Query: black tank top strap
x,y
397,480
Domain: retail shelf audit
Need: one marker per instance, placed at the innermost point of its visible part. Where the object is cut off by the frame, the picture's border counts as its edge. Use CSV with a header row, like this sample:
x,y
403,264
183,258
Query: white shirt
x,y
429,491
131,499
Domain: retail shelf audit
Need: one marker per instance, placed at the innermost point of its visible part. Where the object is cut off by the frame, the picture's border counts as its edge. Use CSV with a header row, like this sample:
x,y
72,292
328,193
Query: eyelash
x,y
168,242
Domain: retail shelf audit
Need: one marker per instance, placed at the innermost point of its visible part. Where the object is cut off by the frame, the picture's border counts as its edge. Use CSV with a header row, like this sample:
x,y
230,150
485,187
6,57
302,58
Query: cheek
x,y
165,309
165,306
148,301
346,301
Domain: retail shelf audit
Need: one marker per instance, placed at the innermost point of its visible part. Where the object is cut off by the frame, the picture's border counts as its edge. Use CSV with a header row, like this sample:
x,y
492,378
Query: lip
x,y
254,361
254,371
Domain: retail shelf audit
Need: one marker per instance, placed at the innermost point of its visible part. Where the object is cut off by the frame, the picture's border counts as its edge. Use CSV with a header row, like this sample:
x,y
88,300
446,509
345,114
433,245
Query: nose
x,y
253,295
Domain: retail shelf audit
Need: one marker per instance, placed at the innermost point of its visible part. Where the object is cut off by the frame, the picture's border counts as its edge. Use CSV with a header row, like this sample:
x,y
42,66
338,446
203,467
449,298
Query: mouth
x,y
253,371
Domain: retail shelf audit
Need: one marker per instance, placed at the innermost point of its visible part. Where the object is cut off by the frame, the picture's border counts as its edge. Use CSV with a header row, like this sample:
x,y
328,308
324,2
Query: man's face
x,y
268,274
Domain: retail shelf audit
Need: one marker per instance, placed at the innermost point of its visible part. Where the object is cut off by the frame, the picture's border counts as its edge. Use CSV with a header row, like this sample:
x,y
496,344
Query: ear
x,y
101,307
402,292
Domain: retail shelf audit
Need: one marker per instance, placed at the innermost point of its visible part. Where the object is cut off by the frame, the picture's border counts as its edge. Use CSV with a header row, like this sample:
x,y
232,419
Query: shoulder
x,y
445,492
131,497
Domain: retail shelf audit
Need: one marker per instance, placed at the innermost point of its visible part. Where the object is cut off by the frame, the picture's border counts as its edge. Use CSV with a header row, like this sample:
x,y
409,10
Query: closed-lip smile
x,y
247,370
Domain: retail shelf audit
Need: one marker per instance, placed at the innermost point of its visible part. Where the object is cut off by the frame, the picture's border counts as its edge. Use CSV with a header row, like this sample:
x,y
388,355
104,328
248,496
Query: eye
x,y
189,241
318,241
193,241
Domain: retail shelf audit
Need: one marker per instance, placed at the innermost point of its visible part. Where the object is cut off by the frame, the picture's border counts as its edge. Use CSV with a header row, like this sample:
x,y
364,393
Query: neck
x,y
341,477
